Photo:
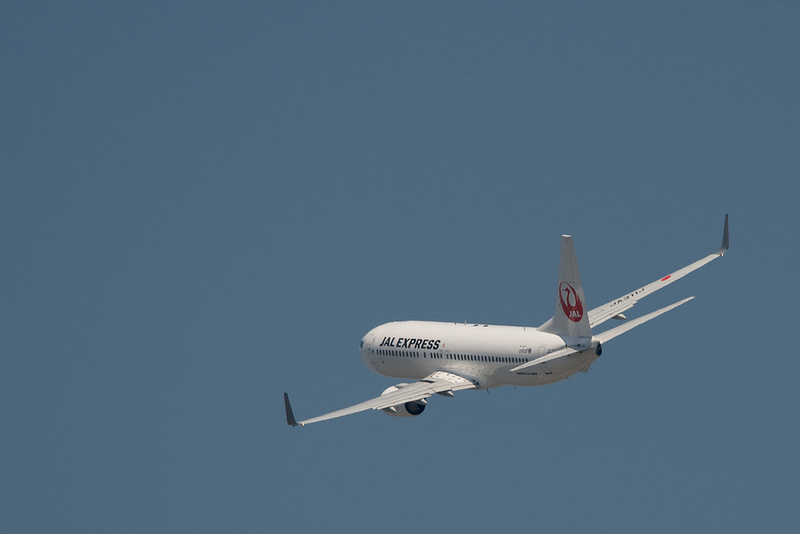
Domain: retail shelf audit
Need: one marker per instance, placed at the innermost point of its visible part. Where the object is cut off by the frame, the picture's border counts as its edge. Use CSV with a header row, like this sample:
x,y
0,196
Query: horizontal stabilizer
x,y
566,351
608,335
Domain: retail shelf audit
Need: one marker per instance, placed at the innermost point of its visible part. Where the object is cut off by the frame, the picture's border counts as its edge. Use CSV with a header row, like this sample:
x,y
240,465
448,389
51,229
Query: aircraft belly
x,y
397,368
555,371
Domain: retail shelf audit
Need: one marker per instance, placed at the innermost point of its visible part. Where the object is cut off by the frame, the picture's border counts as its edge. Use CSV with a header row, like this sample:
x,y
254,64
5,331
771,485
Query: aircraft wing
x,y
615,308
438,382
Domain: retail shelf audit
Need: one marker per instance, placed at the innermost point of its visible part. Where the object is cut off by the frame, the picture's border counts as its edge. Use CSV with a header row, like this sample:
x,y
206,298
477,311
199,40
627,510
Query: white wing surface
x,y
615,308
438,382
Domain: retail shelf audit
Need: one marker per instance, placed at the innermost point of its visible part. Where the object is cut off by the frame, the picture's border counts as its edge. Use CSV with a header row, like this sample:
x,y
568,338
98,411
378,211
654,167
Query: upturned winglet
x,y
289,414
725,241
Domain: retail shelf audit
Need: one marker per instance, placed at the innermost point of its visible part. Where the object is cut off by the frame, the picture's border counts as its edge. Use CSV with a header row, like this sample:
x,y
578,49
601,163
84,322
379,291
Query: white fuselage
x,y
484,354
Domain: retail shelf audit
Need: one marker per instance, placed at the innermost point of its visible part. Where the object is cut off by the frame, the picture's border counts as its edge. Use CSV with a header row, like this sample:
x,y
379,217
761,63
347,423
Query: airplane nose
x,y
366,349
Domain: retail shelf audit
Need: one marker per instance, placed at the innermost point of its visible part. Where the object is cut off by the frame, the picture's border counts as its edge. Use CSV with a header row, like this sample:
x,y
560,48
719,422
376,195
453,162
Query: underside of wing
x,y
616,307
438,382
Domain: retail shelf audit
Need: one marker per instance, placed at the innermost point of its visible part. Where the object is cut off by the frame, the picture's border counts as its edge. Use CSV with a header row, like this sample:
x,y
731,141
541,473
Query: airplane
x,y
448,357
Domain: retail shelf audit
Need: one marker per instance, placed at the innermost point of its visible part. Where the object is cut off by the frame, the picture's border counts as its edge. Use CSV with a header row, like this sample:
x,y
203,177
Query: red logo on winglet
x,y
570,302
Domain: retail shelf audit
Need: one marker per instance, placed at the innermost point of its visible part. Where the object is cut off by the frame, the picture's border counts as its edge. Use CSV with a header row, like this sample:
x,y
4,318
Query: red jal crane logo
x,y
570,302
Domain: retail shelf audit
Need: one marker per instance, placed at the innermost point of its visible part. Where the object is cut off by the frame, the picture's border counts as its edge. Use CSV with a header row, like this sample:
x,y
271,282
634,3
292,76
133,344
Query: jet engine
x,y
408,409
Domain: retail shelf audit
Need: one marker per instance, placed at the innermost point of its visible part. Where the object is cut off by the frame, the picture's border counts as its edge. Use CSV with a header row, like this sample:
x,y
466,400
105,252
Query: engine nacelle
x,y
408,409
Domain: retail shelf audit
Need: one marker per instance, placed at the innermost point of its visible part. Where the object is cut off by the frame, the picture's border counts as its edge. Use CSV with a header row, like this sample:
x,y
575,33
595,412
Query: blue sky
x,y
206,205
